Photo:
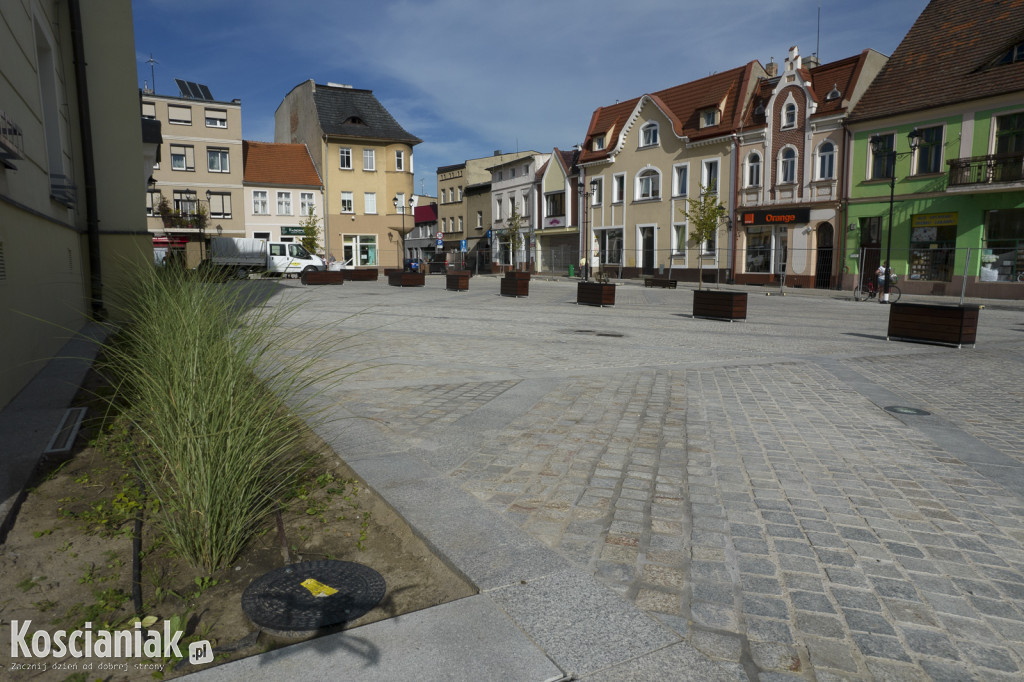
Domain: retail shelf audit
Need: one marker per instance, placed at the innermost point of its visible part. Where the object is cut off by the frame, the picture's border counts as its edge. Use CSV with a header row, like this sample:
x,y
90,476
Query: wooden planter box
x,y
720,305
660,282
325,277
930,323
361,275
515,284
397,278
457,281
595,293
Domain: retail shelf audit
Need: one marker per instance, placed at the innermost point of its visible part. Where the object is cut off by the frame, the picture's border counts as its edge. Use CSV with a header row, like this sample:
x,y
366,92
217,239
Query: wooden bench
x,y
660,282
720,305
399,278
931,323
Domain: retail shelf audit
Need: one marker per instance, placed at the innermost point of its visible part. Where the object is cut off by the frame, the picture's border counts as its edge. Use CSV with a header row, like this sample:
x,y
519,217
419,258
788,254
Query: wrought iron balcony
x,y
986,170
63,190
12,145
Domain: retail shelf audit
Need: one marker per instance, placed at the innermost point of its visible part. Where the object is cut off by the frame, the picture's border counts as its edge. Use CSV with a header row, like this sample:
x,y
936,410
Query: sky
x,y
469,77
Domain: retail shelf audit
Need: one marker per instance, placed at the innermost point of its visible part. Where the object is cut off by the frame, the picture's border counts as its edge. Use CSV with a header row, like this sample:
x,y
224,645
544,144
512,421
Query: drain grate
x,y
899,409
595,332
299,598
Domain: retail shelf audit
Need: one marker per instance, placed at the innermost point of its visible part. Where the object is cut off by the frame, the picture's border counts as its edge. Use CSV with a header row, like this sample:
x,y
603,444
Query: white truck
x,y
244,255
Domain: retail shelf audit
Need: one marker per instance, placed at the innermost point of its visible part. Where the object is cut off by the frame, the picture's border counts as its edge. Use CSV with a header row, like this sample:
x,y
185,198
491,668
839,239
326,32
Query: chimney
x,y
812,62
771,68
497,152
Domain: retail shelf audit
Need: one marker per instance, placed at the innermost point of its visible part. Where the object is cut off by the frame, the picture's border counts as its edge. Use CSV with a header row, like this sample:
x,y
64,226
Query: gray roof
x,y
350,112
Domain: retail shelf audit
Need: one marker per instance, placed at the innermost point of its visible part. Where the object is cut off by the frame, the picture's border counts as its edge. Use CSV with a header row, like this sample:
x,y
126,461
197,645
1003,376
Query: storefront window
x,y
610,242
767,249
1003,259
932,247
361,249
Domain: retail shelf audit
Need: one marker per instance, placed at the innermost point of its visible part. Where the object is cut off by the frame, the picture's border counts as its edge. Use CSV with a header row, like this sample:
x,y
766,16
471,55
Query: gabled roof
x,y
682,105
949,56
566,159
273,163
841,75
351,112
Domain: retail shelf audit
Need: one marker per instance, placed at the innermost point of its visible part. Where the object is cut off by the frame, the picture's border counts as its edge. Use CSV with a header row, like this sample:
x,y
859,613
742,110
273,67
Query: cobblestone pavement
x,y
743,483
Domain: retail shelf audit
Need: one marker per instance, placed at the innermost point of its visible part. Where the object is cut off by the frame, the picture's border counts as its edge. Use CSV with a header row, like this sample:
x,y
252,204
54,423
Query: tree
x,y
511,233
703,216
311,232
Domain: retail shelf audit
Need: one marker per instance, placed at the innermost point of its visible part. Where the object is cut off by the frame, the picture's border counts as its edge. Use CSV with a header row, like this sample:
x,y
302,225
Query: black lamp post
x,y
587,230
400,206
878,149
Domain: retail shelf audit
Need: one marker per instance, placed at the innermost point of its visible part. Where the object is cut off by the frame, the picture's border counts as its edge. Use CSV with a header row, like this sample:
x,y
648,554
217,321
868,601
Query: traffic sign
x,y
439,236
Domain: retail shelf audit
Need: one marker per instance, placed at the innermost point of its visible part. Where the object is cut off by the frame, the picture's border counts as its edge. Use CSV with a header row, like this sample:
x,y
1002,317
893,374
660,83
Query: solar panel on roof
x,y
194,89
182,87
206,92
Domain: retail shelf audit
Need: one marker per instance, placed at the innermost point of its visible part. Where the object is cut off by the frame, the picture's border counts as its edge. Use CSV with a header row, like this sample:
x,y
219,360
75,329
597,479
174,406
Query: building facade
x,y
198,180
71,184
514,190
947,120
791,157
282,191
365,159
559,206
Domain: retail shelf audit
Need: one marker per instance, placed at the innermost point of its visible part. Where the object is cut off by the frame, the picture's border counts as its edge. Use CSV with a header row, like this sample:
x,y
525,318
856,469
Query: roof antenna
x,y
817,47
152,71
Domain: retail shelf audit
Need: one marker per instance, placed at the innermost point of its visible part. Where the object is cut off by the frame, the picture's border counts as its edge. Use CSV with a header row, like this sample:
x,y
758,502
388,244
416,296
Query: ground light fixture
x,y
880,148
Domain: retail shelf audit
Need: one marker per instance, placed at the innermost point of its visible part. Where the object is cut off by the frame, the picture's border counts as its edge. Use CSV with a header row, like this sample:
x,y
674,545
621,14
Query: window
x,y
369,160
1014,54
525,203
598,144
1004,243
461,224
370,202
649,135
827,161
708,118
148,110
497,209
512,172
789,115
754,170
787,166
307,203
347,203
767,249
882,162
460,193
179,115
261,235
183,157
399,160
1010,133
709,177
681,180
259,202
648,185
216,118
360,249
555,204
153,198
596,191
499,176
618,188
186,203
709,244
479,220
284,203
220,205
345,158
929,151
679,239
217,160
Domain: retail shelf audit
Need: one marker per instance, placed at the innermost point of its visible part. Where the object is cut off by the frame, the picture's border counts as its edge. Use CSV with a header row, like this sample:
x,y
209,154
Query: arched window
x,y
754,170
787,166
648,185
649,135
826,161
789,115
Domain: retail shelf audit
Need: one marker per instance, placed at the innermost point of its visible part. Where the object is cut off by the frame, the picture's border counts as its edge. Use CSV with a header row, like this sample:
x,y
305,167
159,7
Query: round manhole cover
x,y
898,409
298,598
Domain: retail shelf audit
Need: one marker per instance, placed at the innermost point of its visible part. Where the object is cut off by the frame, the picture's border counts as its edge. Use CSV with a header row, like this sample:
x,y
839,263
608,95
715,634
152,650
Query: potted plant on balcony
x,y
704,214
514,283
174,219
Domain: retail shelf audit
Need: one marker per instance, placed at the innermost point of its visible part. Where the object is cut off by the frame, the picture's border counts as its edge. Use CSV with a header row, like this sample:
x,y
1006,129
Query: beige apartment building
x,y
71,215
200,171
365,159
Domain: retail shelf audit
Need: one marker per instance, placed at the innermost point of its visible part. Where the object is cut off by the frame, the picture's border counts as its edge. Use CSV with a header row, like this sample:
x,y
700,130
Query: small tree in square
x,y
310,225
703,215
511,233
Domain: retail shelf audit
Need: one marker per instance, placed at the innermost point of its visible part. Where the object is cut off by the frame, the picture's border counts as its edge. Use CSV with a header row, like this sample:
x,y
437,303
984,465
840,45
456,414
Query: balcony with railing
x,y
63,190
12,144
992,169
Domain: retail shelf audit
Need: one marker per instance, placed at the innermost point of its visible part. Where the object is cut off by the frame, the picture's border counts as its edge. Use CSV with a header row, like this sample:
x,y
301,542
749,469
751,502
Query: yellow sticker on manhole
x,y
317,588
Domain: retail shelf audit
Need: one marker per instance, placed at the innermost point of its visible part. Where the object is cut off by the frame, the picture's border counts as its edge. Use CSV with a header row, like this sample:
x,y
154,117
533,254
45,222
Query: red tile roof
x,y
949,56
272,163
682,104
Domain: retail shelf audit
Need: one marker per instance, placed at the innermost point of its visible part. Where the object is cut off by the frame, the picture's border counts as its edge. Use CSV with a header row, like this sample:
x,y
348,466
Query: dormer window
x,y
833,93
789,115
598,143
649,135
708,118
356,121
1014,54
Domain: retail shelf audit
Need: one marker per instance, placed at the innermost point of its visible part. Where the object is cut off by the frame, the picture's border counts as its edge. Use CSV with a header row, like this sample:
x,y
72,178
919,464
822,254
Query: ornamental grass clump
x,y
203,371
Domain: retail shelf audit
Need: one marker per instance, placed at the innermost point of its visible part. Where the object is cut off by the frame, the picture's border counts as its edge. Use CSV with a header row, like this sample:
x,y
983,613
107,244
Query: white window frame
x,y
369,159
681,180
820,158
651,178
597,193
706,184
153,199
461,224
497,208
598,144
649,135
348,202
370,203
460,193
219,119
178,115
480,219
224,201
188,156
345,158
679,245
307,201
781,173
399,160
260,199
525,202
284,201
789,108
223,154
754,167
618,188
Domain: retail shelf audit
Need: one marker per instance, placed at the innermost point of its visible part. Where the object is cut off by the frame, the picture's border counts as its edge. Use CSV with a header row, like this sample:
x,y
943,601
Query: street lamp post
x,y
586,230
878,148
400,205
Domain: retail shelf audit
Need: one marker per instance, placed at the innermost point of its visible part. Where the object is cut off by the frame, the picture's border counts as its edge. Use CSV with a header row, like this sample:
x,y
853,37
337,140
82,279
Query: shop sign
x,y
558,221
292,231
777,217
933,220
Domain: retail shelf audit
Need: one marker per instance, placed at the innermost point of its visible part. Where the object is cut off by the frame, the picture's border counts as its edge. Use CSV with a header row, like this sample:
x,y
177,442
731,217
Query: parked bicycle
x,y
870,289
